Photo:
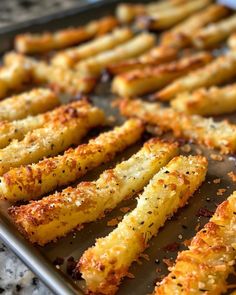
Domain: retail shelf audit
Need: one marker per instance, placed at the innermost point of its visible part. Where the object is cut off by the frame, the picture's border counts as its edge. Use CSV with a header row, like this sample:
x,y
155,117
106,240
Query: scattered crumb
x,y
168,262
217,180
145,256
114,221
125,209
187,242
172,247
58,261
198,151
130,275
197,227
111,119
216,157
186,148
158,269
204,212
232,175
221,191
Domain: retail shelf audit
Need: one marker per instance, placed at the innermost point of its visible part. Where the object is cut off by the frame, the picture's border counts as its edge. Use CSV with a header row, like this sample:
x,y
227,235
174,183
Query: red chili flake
x,y
204,212
172,247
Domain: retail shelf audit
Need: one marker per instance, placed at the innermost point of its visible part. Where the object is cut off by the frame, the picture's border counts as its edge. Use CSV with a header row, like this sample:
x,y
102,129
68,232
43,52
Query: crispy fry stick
x,y
27,182
33,102
154,57
212,101
169,18
13,77
180,36
219,135
232,41
105,264
205,266
18,129
136,46
126,12
52,138
38,43
149,79
69,57
215,33
65,80
54,216
217,72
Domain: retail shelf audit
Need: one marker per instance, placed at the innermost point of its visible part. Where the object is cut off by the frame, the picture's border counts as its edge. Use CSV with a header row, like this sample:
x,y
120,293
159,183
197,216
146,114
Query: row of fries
x,y
40,138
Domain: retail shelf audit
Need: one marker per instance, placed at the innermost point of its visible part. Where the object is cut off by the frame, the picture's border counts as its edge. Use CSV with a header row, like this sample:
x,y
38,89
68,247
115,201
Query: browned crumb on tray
x,y
114,221
217,180
216,157
221,191
232,175
125,209
168,261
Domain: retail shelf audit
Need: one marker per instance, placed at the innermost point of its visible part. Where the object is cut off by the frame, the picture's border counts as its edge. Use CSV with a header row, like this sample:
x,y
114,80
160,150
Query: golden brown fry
x,y
148,79
205,266
136,46
212,101
105,264
219,135
154,57
215,33
38,43
180,36
33,102
19,128
126,12
69,57
65,80
169,18
217,72
13,77
54,216
232,41
31,181
52,138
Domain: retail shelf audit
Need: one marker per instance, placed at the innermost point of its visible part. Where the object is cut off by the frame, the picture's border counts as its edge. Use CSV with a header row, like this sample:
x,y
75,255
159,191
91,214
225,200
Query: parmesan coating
x,y
54,216
105,264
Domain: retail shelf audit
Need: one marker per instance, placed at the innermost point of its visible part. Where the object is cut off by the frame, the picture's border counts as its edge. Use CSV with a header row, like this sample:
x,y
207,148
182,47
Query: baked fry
x,y
180,36
126,12
33,102
54,216
13,77
38,43
232,41
218,135
18,129
28,182
212,101
149,79
105,264
69,57
64,80
172,16
213,34
136,46
217,72
205,266
52,138
154,57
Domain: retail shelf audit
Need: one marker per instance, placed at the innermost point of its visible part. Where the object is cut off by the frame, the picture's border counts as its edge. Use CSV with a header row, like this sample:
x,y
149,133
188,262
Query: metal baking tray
x,y
180,228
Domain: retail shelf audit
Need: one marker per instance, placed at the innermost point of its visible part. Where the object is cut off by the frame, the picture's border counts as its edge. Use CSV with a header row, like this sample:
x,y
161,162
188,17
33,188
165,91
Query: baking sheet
x,y
180,228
